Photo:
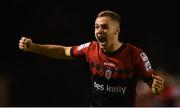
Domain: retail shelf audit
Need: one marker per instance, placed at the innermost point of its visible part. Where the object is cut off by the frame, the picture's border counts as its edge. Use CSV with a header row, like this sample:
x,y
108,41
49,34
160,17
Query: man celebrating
x,y
116,66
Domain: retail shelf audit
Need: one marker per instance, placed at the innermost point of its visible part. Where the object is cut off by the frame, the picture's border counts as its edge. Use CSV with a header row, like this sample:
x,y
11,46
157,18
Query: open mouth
x,y
102,39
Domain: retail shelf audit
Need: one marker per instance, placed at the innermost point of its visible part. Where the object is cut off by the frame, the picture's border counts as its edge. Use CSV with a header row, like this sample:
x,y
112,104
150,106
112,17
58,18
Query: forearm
x,y
52,51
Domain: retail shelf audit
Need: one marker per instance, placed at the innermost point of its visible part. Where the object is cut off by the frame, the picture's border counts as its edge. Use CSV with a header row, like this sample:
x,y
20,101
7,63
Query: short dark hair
x,y
113,15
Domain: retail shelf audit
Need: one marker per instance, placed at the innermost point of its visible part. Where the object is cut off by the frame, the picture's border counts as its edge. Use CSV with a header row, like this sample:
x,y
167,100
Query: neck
x,y
116,45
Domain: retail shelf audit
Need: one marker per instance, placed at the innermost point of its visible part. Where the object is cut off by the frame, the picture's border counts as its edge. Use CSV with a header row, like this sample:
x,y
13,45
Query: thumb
x,y
153,76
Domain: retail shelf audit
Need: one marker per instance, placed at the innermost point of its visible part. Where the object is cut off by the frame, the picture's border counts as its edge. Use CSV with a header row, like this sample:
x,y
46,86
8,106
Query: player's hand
x,y
158,84
25,44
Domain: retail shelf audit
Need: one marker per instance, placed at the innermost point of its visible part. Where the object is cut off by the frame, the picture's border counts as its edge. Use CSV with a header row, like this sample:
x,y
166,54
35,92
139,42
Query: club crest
x,y
108,74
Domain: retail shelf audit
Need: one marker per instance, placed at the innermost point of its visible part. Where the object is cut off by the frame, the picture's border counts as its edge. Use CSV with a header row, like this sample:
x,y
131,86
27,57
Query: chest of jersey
x,y
112,74
115,67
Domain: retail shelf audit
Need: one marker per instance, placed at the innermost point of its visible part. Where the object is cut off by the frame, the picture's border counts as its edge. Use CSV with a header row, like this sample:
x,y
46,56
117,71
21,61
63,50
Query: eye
x,y
104,26
96,26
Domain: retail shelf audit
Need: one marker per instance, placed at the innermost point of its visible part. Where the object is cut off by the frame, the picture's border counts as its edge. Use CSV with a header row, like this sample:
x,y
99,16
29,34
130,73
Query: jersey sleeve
x,y
143,66
79,51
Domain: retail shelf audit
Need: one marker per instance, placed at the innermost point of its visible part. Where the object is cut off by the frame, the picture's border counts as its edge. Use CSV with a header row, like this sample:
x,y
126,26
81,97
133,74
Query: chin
x,y
104,49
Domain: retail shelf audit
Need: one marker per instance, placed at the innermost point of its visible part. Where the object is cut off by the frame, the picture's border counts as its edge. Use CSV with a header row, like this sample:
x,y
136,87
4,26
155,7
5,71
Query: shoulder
x,y
94,43
134,48
85,45
89,43
138,52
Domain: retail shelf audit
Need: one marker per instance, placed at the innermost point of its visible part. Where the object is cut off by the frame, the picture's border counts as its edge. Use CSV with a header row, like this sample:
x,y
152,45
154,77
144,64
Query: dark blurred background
x,y
32,80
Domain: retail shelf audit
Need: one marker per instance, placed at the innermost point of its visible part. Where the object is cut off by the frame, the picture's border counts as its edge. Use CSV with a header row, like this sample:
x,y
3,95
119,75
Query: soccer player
x,y
116,66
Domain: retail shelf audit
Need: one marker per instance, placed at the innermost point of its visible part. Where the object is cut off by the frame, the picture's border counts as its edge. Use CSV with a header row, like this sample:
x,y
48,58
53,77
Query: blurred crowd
x,y
170,97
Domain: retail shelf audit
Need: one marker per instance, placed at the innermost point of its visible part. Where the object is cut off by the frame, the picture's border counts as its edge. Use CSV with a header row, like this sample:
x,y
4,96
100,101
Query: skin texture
x,y
107,29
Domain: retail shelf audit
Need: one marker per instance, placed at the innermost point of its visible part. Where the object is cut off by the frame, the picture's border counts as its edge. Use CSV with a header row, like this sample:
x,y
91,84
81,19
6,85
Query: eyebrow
x,y
101,24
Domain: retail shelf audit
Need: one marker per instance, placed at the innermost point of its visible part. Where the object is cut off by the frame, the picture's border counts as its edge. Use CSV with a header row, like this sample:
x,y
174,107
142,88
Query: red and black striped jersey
x,y
115,74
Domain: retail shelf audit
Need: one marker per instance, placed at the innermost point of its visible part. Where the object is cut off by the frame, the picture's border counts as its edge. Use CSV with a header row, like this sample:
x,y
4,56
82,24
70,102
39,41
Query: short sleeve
x,y
80,50
143,66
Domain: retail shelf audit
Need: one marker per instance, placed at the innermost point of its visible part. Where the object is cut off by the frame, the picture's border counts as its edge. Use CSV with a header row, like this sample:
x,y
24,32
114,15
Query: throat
x,y
116,50
114,47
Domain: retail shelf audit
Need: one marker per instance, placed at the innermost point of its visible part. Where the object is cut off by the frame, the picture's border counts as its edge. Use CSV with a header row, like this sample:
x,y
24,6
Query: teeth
x,y
101,38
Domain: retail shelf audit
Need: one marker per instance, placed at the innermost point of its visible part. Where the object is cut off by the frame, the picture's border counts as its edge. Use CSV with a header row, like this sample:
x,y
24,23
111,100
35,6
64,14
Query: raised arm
x,y
52,51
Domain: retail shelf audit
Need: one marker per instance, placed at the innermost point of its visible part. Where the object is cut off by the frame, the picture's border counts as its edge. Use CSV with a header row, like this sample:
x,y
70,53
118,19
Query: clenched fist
x,y
25,44
158,84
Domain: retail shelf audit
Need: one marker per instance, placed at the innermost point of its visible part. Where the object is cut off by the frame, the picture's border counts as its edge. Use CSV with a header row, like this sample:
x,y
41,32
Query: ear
x,y
118,28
